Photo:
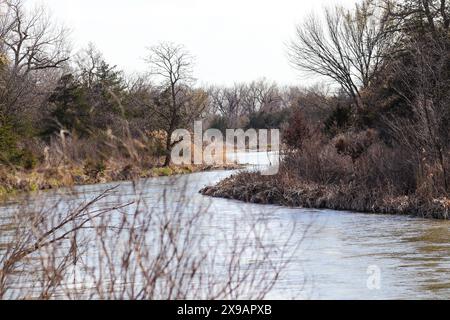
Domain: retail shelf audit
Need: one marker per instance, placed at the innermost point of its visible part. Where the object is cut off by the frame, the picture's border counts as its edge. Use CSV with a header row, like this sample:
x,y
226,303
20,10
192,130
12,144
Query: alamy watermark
x,y
374,279
210,147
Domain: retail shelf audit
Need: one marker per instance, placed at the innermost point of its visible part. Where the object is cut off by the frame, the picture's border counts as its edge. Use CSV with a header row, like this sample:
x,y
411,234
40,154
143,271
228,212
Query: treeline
x,y
59,105
383,142
391,60
56,105
379,122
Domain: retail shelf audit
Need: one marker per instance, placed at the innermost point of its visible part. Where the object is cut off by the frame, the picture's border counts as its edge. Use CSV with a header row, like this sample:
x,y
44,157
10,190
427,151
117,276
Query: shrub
x,y
355,144
8,144
220,123
93,168
11,154
267,120
338,121
297,130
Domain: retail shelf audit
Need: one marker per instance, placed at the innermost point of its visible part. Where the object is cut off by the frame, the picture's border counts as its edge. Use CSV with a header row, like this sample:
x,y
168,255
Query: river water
x,y
341,255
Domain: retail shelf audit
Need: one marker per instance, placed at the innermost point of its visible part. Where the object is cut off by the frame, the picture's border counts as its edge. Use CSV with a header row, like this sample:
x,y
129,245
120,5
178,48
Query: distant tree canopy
x,y
389,60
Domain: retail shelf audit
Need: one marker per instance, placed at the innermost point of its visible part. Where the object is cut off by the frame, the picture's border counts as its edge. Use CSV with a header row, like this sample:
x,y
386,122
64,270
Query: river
x,y
342,255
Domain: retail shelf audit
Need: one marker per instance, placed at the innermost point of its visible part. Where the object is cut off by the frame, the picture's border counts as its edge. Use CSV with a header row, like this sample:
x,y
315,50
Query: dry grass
x,y
352,171
69,161
255,188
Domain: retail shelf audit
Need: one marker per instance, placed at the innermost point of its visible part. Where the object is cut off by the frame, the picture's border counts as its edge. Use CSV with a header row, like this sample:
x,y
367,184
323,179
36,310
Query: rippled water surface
x,y
339,251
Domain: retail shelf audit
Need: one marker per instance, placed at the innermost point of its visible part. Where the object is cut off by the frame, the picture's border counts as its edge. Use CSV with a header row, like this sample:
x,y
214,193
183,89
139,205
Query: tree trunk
x,y
168,150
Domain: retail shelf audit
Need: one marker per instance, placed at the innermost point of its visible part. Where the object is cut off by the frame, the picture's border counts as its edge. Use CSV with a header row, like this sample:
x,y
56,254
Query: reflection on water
x,y
412,254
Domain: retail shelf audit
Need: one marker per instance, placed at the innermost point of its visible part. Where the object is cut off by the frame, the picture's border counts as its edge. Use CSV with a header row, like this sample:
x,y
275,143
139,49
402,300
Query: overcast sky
x,y
232,40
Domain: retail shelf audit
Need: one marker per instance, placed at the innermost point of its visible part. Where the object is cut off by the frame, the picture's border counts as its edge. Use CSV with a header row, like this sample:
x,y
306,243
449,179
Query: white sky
x,y
232,40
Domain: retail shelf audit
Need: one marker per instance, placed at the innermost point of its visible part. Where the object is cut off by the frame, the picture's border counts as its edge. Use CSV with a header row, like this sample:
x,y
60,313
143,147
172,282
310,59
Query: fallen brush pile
x,y
255,188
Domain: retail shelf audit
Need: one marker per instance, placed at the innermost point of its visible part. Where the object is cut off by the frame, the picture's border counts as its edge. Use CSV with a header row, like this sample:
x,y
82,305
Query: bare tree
x,y
229,102
33,48
33,41
424,87
6,23
348,46
173,65
88,61
420,15
262,96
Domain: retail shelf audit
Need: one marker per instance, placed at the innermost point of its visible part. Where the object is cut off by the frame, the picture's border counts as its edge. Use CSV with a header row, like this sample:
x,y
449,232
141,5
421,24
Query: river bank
x,y
254,188
337,247
48,178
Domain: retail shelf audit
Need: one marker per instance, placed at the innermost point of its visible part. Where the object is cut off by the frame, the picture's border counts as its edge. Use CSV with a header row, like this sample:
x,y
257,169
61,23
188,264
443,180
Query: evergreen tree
x,y
69,110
